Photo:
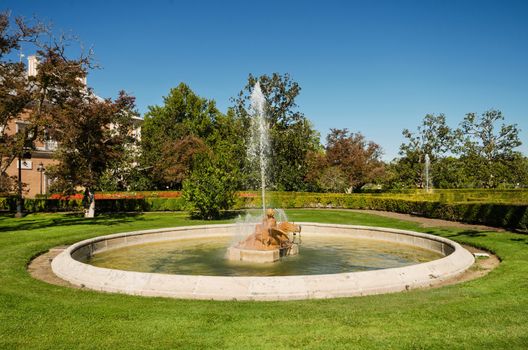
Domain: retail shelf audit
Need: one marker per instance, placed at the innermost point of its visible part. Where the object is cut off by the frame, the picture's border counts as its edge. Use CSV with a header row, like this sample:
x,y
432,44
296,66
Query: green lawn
x,y
488,313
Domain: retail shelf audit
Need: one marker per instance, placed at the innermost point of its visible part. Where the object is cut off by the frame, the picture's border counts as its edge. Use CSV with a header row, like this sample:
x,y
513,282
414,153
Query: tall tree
x,y
358,159
178,157
92,134
434,138
15,91
186,123
486,146
291,133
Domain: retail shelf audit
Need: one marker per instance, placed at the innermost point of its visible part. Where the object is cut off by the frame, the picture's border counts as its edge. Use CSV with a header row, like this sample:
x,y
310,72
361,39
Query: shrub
x,y
165,204
209,189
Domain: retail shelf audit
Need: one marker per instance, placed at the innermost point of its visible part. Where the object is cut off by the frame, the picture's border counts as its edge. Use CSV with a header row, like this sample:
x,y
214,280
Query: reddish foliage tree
x,y
357,158
177,157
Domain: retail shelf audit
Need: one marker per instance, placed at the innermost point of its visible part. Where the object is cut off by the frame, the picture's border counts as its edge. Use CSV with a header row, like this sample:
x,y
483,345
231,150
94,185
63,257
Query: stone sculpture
x,y
269,236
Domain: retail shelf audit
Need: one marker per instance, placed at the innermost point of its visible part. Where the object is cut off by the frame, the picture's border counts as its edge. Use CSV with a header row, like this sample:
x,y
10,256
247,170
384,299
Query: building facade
x,y
33,170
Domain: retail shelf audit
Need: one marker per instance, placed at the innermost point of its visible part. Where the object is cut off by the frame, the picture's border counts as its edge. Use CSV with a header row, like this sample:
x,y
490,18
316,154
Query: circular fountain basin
x,y
71,265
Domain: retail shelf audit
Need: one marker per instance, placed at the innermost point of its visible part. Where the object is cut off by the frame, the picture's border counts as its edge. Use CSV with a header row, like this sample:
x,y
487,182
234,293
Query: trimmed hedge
x,y
513,216
101,205
509,215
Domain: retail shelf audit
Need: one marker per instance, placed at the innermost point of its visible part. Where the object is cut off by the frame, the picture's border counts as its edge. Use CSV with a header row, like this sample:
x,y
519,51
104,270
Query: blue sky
x,y
370,66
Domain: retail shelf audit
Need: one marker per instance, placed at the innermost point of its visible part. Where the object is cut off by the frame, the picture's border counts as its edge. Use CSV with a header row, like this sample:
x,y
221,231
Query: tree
x,y
15,92
434,138
211,187
333,179
359,160
316,163
486,155
515,171
123,173
485,147
178,157
171,132
449,173
292,135
92,134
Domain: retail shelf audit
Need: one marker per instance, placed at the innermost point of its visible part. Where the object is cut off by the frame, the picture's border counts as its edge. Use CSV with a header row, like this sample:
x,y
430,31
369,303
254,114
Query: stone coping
x,y
69,266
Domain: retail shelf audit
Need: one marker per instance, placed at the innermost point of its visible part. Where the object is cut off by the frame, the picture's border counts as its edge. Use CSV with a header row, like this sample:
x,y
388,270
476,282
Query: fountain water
x,y
271,239
427,166
259,145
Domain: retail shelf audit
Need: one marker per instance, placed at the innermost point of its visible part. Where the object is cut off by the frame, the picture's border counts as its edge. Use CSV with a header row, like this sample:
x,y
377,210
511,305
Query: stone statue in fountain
x,y
269,241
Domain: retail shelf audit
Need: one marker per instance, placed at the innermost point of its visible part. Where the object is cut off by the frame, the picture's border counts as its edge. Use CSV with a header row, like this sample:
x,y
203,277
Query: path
x,y
427,222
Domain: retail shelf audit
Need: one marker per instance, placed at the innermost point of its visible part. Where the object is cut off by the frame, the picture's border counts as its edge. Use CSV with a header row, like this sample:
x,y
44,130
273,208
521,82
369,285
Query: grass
x,y
491,312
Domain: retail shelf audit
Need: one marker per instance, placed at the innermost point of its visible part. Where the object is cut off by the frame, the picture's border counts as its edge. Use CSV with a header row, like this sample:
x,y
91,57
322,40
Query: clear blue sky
x,y
370,66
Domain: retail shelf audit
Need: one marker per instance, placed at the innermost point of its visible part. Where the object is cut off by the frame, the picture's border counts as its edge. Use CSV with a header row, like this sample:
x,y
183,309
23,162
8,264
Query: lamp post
x,y
41,170
26,154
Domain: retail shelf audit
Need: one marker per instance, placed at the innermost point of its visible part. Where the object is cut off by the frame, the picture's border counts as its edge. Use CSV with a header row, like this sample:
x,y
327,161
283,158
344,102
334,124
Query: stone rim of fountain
x,y
68,267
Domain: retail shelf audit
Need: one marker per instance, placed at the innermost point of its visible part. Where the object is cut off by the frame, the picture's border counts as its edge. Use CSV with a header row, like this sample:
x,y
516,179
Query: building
x,y
34,169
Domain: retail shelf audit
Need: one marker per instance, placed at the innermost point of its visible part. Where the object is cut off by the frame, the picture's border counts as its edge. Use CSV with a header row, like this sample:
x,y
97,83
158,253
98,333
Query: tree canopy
x,y
479,153
15,92
292,135
184,126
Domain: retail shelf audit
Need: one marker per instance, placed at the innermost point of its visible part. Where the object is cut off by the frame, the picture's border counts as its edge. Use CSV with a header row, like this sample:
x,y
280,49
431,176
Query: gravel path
x,y
427,222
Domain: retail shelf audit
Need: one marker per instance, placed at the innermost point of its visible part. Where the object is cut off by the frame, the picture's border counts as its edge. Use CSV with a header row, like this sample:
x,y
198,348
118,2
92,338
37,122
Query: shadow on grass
x,y
522,240
468,233
7,223
226,215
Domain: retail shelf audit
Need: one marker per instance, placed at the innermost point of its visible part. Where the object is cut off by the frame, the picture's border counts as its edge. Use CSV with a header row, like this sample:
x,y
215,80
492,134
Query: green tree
x,y
185,124
123,173
292,135
211,187
485,147
449,173
515,171
333,179
317,164
432,137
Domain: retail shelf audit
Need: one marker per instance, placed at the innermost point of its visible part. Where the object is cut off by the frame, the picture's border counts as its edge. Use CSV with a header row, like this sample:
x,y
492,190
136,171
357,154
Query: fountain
x,y
271,240
259,145
190,261
427,179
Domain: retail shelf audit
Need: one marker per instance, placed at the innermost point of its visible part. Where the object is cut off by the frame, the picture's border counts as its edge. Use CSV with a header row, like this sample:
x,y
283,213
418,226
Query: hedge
x,y
513,216
102,205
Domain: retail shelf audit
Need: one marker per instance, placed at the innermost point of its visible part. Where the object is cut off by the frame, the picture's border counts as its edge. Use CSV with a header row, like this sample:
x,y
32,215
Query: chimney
x,y
32,65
